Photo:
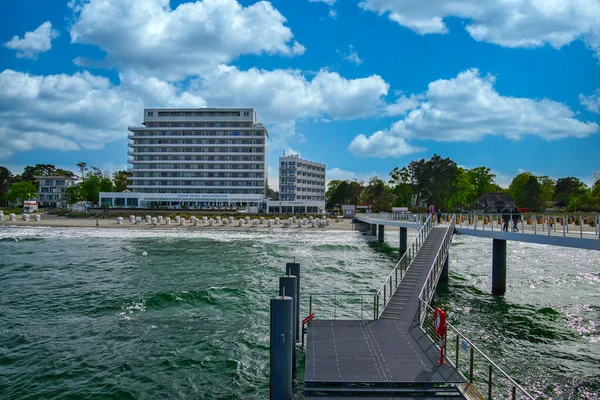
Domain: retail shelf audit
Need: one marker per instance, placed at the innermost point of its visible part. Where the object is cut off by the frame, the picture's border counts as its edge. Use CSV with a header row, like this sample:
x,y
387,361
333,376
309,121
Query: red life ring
x,y
439,321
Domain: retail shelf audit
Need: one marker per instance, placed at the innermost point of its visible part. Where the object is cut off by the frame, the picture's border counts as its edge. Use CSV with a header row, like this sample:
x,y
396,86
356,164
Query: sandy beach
x,y
48,220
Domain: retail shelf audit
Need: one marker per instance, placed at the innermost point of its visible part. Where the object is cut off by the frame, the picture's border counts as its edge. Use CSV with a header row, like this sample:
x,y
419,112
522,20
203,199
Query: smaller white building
x,y
52,191
301,187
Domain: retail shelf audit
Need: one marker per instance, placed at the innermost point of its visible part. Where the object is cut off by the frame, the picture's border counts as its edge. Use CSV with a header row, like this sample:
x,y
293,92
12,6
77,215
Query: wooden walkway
x,y
387,358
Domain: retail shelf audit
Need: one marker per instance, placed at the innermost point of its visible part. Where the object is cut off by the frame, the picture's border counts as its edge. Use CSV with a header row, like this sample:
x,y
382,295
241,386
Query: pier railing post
x,y
471,365
490,371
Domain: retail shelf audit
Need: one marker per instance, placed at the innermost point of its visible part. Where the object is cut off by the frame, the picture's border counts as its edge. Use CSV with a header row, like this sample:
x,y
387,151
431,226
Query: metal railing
x,y
497,383
485,376
565,225
430,284
400,217
344,305
394,279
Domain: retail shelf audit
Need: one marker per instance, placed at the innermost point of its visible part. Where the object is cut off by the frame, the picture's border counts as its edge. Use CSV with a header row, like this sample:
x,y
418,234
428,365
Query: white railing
x,y
583,226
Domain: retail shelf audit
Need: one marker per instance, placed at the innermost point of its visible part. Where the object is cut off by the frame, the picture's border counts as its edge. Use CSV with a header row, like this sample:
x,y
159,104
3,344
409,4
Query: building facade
x,y
196,158
52,191
301,186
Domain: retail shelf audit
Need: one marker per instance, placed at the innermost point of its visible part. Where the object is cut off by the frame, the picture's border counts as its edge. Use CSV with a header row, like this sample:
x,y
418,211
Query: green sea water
x,y
84,314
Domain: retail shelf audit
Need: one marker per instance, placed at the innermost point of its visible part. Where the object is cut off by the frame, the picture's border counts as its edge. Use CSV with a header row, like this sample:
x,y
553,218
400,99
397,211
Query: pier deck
x,y
391,357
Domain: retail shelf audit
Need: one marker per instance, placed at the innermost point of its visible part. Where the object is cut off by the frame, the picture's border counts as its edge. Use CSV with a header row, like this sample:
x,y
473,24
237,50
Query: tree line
x,y
18,188
440,181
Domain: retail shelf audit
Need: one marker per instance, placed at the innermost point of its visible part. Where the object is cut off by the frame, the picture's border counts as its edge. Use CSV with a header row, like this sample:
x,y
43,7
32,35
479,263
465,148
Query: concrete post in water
x,y
374,229
445,270
498,267
403,240
289,288
294,269
381,233
281,351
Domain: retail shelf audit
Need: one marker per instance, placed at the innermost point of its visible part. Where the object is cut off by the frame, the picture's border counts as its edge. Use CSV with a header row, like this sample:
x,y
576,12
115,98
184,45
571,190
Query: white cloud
x,y
353,56
509,23
402,105
381,145
70,112
332,13
328,2
33,43
468,108
591,102
281,136
281,96
152,38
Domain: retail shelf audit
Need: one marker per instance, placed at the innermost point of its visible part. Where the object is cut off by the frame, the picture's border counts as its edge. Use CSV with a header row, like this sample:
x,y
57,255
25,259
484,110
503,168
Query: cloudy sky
x,y
363,86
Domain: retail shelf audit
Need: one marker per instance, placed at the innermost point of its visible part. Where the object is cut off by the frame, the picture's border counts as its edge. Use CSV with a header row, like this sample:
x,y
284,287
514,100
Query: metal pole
x,y
490,382
580,227
457,346
471,365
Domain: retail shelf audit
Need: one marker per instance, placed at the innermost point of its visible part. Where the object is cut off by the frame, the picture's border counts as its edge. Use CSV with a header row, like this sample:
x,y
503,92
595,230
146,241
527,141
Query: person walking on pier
x,y
505,219
515,218
439,216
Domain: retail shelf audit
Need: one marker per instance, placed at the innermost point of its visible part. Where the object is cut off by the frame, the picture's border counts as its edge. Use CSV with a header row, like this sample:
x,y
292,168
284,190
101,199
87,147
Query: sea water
x,y
83,313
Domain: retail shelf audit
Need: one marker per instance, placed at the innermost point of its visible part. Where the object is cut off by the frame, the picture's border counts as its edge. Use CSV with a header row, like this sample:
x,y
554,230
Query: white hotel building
x,y
196,158
301,186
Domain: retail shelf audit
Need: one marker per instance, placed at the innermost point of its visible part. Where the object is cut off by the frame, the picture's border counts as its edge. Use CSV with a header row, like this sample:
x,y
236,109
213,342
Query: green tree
x,y
377,194
547,185
106,185
568,188
401,187
74,194
481,180
343,192
90,187
532,194
517,188
332,188
82,167
465,193
30,172
21,191
6,179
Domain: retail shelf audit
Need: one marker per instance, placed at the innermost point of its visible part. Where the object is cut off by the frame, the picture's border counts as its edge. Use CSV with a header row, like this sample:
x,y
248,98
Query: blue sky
x,y
363,86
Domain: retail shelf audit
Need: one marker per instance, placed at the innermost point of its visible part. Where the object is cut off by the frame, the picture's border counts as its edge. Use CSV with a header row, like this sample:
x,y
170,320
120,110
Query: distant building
x,y
301,187
52,191
493,202
196,158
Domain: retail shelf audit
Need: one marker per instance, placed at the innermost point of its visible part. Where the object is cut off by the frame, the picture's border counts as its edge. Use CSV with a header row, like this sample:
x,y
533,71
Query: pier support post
x,y
374,229
381,233
403,240
294,269
281,351
498,267
288,288
445,270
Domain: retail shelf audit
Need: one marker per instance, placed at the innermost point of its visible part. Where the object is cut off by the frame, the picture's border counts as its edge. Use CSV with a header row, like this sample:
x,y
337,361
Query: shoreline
x,y
52,221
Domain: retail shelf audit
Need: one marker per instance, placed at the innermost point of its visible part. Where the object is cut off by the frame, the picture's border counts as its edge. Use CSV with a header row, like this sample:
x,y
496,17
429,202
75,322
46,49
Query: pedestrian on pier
x,y
439,216
505,219
515,218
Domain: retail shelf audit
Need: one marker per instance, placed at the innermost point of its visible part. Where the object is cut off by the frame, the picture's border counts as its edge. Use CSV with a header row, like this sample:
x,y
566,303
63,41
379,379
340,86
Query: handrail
x,y
403,265
548,224
425,297
436,267
473,349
